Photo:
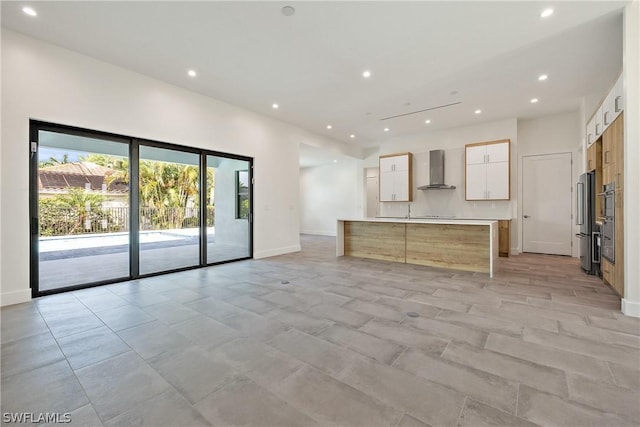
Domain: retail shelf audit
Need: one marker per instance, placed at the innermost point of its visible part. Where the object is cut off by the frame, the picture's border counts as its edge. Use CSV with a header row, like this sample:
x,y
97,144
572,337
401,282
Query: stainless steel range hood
x,y
436,172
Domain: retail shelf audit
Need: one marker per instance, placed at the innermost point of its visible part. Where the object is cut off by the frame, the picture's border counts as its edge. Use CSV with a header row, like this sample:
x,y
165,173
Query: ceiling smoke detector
x,y
288,10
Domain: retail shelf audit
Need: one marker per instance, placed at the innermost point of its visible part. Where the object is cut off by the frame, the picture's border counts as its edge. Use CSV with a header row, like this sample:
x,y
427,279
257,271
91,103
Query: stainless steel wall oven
x,y
608,221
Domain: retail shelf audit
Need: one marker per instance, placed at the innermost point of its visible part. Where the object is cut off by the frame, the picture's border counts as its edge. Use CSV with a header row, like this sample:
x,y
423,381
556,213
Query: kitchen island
x,y
470,245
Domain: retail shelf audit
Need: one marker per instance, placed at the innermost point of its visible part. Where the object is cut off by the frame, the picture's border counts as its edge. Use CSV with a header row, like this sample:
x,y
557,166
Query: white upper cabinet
x,y
591,131
613,104
497,152
487,171
395,178
476,154
498,181
607,112
599,122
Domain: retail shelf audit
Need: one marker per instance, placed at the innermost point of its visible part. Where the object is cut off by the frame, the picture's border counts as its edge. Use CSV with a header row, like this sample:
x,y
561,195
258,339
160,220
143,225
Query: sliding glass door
x,y
169,213
228,209
82,202
107,208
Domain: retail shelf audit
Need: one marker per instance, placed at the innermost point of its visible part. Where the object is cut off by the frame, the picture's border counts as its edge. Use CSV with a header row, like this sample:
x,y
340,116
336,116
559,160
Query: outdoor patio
x,y
73,260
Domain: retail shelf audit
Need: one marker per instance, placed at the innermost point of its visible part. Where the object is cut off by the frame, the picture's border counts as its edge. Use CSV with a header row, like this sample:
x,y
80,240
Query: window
x,y
242,194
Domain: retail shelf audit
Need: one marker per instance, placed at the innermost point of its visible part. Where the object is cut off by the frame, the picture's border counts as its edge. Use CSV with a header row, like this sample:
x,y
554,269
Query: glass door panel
x,y
83,210
169,214
228,209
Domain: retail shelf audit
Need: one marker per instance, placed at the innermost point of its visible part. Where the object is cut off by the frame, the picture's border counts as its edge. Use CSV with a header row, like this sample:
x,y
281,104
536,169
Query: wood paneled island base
x,y
459,245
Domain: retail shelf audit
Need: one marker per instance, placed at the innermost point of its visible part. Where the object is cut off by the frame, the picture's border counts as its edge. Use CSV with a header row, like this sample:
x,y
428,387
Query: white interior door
x,y
373,204
546,204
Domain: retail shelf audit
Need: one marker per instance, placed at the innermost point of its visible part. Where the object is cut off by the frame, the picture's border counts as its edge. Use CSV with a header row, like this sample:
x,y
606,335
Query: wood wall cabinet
x,y
608,156
488,171
396,177
504,237
594,156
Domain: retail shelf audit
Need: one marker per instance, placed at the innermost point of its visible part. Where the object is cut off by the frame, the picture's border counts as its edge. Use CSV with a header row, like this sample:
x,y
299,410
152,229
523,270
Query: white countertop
x,y
450,221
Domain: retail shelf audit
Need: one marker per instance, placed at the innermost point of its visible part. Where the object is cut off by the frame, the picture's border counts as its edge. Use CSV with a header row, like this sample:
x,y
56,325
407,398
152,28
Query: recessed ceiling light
x,y
275,106
329,127
192,73
335,161
366,74
478,111
29,11
534,100
352,136
546,13
288,10
543,77
427,121
386,129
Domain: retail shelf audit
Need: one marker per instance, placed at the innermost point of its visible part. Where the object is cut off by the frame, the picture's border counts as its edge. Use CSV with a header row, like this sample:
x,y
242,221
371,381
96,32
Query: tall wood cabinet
x,y
396,177
487,171
613,172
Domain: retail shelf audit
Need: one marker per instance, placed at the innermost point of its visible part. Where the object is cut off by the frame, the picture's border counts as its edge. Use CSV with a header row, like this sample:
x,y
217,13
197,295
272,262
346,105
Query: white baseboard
x,y
15,297
278,251
630,308
319,233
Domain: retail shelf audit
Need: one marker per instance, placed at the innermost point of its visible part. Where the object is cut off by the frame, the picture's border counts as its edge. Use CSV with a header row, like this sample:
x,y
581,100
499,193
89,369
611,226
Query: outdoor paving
x,y
73,267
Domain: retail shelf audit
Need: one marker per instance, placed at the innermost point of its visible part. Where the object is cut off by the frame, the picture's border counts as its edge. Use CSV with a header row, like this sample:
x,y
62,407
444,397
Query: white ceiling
x,y
420,54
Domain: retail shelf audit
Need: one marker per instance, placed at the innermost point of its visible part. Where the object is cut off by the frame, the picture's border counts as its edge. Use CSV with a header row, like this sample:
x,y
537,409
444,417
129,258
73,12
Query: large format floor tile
x,y
244,403
308,339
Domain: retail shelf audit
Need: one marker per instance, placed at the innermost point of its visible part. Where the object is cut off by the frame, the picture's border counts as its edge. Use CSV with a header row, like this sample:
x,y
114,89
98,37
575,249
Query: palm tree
x,y
54,161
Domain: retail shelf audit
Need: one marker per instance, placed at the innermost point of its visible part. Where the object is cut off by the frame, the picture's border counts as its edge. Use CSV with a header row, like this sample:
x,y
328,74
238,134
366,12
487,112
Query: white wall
x,y
45,82
452,202
557,133
631,43
330,192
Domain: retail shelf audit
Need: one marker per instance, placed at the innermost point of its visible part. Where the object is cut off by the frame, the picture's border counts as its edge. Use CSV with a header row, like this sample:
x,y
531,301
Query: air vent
x,y
421,111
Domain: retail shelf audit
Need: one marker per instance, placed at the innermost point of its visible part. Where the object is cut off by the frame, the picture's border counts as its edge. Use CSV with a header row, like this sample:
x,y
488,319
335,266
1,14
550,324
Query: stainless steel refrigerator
x,y
589,235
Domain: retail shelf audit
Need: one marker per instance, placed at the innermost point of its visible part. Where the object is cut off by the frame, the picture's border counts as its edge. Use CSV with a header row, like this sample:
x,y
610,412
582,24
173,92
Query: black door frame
x,y
35,126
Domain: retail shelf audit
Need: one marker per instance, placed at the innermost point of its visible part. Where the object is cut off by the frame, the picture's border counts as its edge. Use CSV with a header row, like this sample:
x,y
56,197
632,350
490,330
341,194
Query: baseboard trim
x,y
277,251
319,233
630,308
15,297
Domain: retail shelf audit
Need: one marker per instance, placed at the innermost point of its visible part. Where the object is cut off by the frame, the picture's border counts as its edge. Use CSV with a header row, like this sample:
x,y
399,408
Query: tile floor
x,y
310,339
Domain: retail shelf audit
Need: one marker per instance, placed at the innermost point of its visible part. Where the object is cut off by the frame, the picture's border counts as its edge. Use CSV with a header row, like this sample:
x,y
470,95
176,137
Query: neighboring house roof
x,y
78,175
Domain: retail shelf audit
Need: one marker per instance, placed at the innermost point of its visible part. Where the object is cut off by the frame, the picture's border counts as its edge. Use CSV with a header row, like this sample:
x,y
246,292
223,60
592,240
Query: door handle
x,y
526,216
618,107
